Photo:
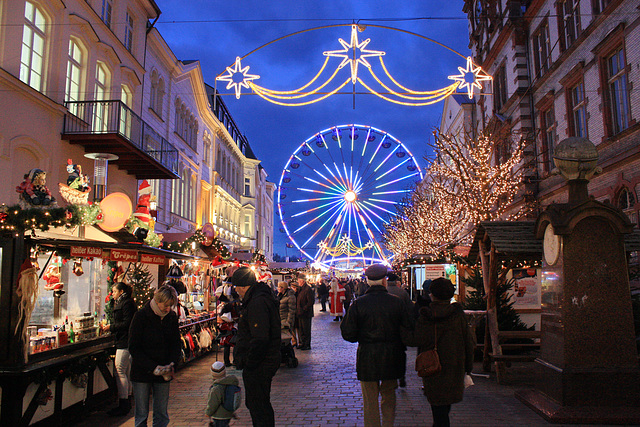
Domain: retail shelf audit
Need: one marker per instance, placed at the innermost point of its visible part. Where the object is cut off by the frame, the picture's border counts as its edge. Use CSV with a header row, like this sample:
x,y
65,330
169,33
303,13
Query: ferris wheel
x,y
338,190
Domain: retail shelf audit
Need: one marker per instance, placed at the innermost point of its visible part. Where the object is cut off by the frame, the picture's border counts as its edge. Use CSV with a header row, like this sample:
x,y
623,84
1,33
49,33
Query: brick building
x,y
560,69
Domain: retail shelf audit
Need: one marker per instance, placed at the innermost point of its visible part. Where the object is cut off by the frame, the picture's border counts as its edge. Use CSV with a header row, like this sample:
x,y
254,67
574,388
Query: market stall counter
x,y
55,365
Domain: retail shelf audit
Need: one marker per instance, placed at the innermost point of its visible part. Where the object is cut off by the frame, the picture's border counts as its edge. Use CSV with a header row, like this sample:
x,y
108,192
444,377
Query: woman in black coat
x,y
154,343
123,311
444,324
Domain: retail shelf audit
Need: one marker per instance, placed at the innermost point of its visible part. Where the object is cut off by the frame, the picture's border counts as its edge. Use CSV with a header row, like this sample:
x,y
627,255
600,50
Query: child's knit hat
x,y
218,370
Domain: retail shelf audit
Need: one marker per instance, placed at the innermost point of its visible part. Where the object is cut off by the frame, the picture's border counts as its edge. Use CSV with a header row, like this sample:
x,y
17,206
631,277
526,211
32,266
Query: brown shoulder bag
x,y
428,362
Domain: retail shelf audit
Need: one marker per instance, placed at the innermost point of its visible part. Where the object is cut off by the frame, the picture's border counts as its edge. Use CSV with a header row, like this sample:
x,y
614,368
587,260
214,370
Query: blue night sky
x,y
215,32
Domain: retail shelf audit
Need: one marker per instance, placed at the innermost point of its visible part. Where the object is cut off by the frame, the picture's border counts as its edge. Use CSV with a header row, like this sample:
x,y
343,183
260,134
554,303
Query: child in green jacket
x,y
220,417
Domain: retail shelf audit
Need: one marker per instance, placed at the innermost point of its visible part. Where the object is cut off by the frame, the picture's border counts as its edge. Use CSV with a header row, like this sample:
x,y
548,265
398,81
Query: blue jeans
x,y
141,393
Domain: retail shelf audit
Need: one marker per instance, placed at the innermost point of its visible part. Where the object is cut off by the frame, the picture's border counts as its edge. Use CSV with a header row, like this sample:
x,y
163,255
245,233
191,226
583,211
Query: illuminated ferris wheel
x,y
337,191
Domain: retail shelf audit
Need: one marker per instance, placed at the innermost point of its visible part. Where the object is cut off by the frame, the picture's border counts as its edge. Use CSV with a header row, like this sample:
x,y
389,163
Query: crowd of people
x,y
254,321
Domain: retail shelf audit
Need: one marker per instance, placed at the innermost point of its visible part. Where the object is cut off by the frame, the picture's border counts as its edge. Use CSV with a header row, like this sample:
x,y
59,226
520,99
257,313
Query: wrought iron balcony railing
x,y
115,118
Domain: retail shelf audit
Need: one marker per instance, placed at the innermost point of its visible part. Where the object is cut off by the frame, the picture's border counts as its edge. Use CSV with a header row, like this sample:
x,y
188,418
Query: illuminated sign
x,y
116,210
86,251
124,255
152,259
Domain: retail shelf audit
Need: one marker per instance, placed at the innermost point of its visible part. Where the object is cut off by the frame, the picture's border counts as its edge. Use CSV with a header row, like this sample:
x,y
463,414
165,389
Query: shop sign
x,y
116,210
152,259
124,255
86,252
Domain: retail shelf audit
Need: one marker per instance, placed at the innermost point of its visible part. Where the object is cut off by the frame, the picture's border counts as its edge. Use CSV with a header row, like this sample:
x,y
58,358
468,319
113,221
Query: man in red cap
x,y
374,322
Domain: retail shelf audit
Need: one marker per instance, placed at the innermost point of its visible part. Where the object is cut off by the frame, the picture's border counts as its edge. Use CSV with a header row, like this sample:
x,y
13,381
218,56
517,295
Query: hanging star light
x,y
350,49
233,75
474,73
354,53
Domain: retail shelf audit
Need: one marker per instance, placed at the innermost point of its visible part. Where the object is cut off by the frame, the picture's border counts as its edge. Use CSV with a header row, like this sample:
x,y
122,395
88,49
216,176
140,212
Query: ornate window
x,y
626,200
33,46
499,89
542,49
74,76
578,110
101,110
618,91
548,133
128,32
107,10
568,22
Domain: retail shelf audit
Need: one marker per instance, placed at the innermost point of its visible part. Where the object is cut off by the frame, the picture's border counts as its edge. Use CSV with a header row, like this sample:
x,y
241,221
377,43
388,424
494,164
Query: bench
x,y
508,358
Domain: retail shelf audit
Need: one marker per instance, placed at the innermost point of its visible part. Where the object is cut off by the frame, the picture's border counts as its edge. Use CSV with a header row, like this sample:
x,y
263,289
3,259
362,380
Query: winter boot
x,y
123,408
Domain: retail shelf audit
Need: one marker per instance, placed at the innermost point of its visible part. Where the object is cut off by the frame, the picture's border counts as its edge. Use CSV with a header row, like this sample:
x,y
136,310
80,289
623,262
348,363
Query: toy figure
x,y
144,201
77,180
52,277
34,192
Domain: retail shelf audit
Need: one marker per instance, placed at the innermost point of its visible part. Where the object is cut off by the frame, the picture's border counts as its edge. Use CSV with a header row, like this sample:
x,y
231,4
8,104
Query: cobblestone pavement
x,y
323,391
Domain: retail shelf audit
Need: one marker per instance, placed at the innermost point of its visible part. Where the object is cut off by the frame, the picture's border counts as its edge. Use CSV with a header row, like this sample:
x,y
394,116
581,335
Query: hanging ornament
x,y
77,268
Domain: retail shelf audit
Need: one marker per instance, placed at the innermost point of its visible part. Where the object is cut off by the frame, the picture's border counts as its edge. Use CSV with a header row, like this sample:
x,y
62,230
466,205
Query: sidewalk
x,y
323,391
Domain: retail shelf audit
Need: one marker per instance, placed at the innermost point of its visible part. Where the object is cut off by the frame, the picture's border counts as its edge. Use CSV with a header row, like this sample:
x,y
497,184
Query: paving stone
x,y
323,391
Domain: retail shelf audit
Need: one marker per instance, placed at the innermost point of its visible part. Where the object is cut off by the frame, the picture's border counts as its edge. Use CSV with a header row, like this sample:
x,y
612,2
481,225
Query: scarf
x,y
156,309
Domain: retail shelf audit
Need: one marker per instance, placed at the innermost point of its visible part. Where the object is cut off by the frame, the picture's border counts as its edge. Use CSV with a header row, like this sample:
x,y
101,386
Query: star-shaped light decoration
x,y
345,53
237,69
478,76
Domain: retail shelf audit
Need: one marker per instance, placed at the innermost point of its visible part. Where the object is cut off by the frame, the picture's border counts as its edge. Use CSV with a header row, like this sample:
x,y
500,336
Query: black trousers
x,y
440,415
257,392
305,331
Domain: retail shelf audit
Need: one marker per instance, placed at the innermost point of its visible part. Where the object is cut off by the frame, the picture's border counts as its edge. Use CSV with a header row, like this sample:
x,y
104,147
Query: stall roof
x,y
509,237
66,243
517,238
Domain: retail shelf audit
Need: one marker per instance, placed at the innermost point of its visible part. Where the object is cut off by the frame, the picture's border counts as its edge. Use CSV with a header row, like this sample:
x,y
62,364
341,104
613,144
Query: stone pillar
x,y
588,367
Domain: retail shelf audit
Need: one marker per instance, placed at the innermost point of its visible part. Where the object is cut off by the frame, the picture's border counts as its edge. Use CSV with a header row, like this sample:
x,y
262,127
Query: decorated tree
x,y
140,280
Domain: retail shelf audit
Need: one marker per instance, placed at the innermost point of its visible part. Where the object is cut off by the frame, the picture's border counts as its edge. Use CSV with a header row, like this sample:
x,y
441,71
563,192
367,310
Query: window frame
x,y
614,42
542,51
500,88
548,135
129,27
568,34
106,13
577,110
31,24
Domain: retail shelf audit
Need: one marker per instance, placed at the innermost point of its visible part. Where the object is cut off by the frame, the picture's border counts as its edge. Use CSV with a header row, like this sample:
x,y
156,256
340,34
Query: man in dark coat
x,y
304,311
323,294
392,287
154,344
257,350
374,321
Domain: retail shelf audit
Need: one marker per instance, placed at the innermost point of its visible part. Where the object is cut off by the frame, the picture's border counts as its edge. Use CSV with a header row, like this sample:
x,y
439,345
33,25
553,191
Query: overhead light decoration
x,y
354,53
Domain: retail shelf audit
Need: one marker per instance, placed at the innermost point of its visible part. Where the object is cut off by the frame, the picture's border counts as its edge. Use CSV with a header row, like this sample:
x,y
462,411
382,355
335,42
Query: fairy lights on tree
x,y
464,185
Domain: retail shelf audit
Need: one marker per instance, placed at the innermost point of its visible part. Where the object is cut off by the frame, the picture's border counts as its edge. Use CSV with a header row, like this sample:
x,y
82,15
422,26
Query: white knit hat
x,y
218,370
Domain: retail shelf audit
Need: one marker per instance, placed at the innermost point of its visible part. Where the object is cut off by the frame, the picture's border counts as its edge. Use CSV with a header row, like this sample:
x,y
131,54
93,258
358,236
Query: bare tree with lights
x,y
463,185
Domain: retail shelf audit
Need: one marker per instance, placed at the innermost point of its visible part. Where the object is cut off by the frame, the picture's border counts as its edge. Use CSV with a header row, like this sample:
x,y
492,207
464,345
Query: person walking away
x,y
304,311
348,295
323,294
392,287
123,312
257,351
375,321
336,293
444,324
220,416
287,300
154,344
227,317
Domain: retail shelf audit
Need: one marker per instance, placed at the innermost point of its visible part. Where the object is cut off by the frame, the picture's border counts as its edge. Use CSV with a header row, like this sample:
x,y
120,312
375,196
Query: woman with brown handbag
x,y
443,326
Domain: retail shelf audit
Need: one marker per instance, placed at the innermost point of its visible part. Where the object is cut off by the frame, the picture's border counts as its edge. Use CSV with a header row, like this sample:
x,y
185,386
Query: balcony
x,y
111,127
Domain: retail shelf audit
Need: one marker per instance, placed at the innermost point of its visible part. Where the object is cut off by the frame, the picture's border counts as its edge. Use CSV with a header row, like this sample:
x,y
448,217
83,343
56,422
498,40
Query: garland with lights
x,y
198,238
16,219
353,53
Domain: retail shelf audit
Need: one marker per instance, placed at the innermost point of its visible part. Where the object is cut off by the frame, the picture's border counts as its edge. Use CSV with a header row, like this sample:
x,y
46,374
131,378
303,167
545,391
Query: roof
x,y
510,238
517,238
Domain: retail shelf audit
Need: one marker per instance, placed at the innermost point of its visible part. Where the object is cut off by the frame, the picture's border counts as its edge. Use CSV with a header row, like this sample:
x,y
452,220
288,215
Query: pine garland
x,y
16,219
198,238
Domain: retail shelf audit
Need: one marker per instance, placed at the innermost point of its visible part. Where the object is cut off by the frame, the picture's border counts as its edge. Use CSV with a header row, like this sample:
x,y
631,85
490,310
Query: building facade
x,y
95,76
562,69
